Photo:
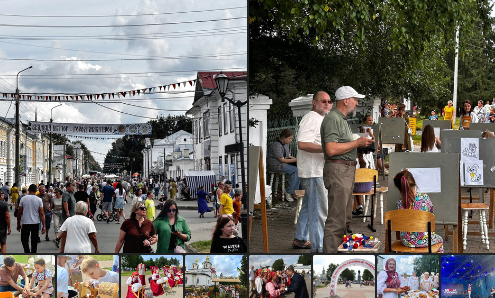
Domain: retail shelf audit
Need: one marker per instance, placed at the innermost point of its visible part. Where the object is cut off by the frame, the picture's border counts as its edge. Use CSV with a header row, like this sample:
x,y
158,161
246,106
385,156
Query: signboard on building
x,y
220,173
232,173
412,125
22,165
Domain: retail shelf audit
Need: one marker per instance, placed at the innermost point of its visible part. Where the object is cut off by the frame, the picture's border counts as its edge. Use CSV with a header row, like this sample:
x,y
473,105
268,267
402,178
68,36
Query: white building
x,y
215,126
299,268
197,276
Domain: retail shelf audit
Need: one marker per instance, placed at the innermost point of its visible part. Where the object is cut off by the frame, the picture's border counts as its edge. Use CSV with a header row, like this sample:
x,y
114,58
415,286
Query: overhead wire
x,y
155,108
125,112
121,15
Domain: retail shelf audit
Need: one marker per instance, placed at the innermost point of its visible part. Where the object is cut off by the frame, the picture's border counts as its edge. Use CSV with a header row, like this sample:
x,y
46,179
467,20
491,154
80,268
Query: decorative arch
x,y
349,263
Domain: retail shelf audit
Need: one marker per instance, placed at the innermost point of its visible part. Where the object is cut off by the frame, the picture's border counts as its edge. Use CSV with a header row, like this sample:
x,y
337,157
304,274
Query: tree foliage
x,y
244,270
427,263
278,265
367,275
331,268
348,274
305,259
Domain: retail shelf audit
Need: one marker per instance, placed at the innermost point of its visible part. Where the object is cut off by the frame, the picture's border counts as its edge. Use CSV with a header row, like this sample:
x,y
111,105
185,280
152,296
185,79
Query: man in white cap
x,y
340,151
314,206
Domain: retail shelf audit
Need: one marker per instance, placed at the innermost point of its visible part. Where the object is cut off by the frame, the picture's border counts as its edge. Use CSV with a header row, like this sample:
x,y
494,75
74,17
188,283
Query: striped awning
x,y
195,179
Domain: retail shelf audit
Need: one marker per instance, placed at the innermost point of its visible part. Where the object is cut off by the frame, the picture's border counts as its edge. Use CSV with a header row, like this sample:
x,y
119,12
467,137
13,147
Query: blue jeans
x,y
156,191
9,288
294,181
313,214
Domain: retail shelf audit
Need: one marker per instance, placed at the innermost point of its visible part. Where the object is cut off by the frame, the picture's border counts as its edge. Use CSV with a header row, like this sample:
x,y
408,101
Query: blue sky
x,y
143,43
405,264
321,262
267,260
225,264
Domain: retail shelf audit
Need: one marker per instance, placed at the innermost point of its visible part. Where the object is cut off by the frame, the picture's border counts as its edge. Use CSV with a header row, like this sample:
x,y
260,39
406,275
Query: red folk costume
x,y
134,279
155,275
168,273
180,277
141,268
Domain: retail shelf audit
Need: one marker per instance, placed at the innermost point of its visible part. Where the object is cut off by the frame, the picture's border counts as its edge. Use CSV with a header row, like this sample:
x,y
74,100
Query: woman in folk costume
x,y
134,279
469,290
272,286
171,281
141,268
180,277
388,281
435,281
414,282
404,280
426,284
155,287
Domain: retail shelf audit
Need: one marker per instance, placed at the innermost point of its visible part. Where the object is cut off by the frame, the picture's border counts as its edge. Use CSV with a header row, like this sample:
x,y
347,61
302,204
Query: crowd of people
x,y
266,283
388,281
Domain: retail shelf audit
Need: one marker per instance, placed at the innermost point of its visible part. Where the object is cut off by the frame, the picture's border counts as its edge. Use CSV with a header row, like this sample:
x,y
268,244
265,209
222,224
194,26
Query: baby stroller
x,y
102,216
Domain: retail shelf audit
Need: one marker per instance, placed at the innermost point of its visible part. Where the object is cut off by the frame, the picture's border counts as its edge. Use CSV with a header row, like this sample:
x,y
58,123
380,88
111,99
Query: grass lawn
x,y
21,259
129,273
202,246
419,124
319,287
103,257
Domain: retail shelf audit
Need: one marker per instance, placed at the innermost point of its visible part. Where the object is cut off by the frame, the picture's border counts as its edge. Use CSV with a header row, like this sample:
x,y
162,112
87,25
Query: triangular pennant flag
x,y
133,92
87,96
123,93
139,92
118,95
66,98
103,96
97,96
22,96
154,89
144,90
190,83
184,84
173,85
77,98
160,88
149,90
71,97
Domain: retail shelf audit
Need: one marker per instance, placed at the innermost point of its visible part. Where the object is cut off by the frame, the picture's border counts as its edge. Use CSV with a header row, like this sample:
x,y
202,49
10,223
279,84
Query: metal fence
x,y
276,125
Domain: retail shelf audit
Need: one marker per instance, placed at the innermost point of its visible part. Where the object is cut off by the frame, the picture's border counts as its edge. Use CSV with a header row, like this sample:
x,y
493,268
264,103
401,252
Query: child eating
x,y
44,278
97,275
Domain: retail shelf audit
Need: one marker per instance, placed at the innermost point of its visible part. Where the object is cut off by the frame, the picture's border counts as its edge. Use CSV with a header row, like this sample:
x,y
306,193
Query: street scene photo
x,y
123,127
350,276
152,276
220,276
280,276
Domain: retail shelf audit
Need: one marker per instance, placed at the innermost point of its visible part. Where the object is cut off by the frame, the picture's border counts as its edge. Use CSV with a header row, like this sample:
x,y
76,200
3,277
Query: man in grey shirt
x,y
340,152
30,214
6,191
68,202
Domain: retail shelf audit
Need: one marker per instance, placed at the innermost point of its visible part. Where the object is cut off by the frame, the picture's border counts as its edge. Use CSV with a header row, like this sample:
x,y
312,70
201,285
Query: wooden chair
x,y
367,175
409,220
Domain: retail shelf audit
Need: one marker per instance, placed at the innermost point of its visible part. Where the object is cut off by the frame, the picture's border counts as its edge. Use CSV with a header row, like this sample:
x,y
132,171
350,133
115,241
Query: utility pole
x,y
51,146
65,165
17,130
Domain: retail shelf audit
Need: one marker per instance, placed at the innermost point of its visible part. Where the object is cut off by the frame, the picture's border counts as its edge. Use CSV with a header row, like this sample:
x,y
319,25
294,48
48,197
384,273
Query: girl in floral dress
x,y
405,182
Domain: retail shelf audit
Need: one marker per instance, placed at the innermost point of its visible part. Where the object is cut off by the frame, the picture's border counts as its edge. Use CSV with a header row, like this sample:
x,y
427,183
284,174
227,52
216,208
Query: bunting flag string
x,y
96,96
87,138
112,156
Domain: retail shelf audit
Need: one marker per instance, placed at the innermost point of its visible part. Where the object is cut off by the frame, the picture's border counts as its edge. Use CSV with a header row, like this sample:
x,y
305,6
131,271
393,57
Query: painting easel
x,y
256,168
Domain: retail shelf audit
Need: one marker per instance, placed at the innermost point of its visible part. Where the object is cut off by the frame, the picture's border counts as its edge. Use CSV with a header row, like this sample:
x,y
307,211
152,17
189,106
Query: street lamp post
x,y
222,82
51,146
17,129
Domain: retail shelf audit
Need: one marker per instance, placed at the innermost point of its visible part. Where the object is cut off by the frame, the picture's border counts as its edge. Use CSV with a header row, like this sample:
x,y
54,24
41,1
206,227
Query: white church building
x,y
197,276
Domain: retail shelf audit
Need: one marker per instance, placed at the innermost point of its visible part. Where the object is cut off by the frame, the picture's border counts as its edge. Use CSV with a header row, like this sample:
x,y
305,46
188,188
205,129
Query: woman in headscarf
x,y
272,286
134,279
388,281
426,284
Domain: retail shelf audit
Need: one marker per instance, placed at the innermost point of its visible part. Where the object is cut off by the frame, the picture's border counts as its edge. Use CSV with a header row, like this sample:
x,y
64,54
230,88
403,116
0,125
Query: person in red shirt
x,y
114,185
237,205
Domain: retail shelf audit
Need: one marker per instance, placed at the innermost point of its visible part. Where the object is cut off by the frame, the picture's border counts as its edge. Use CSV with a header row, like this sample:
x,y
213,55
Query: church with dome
x,y
200,276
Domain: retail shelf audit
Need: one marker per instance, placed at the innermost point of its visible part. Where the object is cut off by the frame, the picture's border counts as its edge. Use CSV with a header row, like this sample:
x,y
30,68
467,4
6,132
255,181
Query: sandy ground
x,y
178,292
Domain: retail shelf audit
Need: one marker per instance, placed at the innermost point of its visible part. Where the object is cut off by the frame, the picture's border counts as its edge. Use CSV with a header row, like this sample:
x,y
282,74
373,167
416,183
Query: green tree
x,y
305,259
244,269
367,275
348,274
278,265
132,261
331,268
426,263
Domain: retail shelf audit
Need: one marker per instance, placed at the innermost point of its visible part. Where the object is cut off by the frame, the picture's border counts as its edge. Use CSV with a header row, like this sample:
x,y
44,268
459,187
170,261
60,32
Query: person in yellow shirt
x,y
226,205
449,112
15,194
150,206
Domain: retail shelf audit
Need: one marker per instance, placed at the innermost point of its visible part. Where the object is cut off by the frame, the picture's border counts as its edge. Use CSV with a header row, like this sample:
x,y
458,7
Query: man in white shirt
x,y
314,209
251,279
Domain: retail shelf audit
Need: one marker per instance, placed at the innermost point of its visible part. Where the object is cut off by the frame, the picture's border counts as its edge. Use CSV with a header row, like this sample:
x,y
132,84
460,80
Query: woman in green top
x,y
172,229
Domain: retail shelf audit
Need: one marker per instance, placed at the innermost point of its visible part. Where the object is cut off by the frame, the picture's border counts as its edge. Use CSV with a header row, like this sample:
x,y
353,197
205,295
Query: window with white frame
x,y
225,119
220,121
206,124
200,129
196,136
232,118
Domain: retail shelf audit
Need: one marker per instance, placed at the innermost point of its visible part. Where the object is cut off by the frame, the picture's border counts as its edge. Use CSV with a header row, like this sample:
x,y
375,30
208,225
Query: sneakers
x,y
296,243
358,211
289,197
46,238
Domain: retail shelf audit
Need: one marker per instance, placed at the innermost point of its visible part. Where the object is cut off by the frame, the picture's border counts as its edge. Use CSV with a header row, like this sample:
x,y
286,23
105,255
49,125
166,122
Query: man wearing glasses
x,y
310,169
340,151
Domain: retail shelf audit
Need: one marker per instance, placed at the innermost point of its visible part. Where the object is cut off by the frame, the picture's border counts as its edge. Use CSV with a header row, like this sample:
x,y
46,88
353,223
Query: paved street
x,y
107,234
354,292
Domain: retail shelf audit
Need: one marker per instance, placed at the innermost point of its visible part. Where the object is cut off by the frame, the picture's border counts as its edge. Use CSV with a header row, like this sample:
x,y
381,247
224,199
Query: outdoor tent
x,y
195,179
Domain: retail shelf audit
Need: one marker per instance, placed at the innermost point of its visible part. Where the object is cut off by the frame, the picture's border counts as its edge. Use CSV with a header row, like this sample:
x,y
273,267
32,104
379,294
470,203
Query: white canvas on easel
x,y
473,172
470,149
427,179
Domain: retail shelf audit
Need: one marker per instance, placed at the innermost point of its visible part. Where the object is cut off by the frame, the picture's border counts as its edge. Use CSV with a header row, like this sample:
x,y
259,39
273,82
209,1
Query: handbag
x,y
149,248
